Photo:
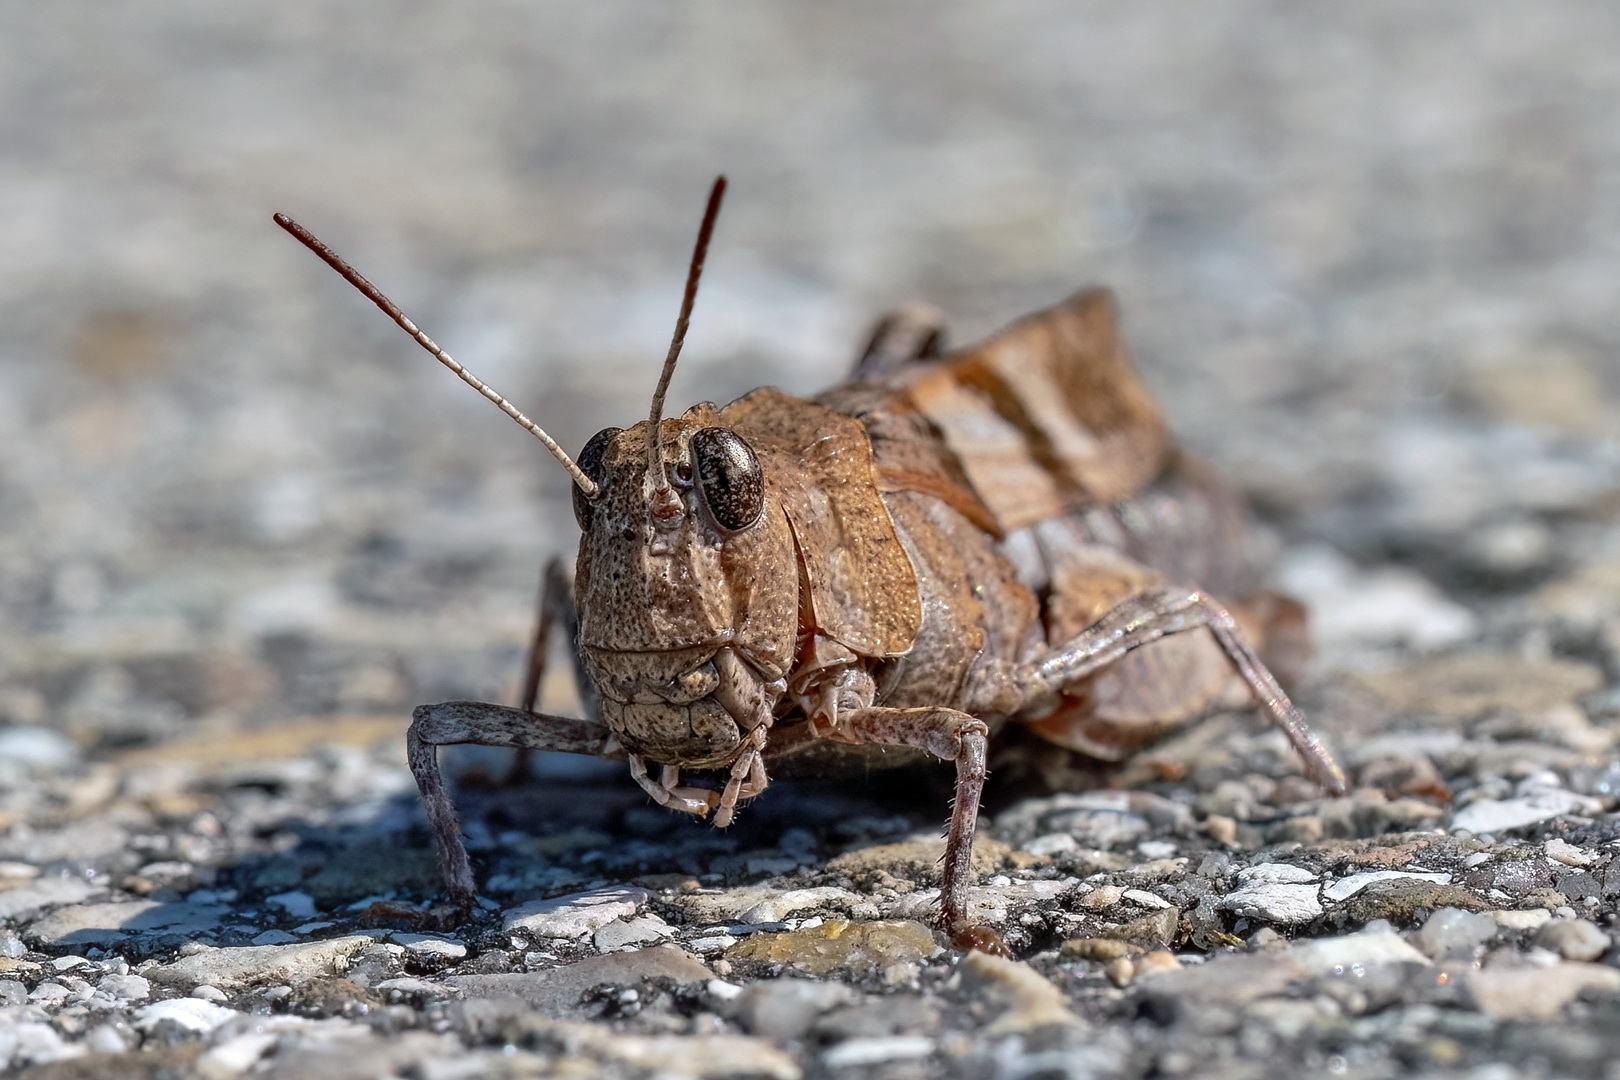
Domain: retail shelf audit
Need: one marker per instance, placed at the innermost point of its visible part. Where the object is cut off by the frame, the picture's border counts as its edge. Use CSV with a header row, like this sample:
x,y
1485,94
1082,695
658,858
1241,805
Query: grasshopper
x,y
947,544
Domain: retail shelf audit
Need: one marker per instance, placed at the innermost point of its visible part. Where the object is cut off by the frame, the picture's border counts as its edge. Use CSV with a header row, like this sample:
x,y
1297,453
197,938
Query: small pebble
x,y
1573,939
1452,931
210,993
1221,829
1102,896
1156,963
1567,853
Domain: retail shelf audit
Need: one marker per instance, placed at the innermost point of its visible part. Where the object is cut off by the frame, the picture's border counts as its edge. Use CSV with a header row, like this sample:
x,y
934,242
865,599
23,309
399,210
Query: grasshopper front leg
x,y
477,722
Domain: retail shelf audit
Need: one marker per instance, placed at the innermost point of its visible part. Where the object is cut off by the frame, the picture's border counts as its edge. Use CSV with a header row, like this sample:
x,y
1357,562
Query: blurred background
x,y
1369,257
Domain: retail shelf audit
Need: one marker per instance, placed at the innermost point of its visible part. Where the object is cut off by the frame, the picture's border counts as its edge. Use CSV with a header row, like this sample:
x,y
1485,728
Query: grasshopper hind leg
x,y
1157,613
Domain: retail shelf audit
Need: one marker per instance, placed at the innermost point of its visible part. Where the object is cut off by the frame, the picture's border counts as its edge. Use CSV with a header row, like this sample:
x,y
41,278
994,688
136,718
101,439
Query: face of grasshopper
x,y
687,590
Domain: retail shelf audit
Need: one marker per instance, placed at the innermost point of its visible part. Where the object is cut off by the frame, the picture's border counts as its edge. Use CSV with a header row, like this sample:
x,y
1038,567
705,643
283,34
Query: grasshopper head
x,y
687,590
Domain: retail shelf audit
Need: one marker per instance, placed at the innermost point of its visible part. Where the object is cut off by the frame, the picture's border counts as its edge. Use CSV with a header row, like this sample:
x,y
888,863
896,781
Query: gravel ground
x,y
1366,255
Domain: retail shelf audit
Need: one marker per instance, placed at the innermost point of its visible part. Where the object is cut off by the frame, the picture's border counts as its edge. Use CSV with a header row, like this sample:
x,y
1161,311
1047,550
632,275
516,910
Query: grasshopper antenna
x,y
586,485
655,452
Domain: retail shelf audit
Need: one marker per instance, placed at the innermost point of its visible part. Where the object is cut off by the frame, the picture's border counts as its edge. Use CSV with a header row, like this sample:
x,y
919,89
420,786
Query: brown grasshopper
x,y
942,546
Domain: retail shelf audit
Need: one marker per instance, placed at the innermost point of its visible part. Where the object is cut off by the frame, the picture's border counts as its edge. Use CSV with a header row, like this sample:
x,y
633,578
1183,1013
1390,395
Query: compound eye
x,y
590,463
729,477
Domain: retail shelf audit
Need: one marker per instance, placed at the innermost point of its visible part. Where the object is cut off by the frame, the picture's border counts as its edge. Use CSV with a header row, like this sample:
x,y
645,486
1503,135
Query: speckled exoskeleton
x,y
940,547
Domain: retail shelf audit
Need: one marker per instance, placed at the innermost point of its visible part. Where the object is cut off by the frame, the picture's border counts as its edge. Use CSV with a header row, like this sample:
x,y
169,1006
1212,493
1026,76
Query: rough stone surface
x,y
1573,939
257,965
575,915
104,924
1285,905
1365,258
558,991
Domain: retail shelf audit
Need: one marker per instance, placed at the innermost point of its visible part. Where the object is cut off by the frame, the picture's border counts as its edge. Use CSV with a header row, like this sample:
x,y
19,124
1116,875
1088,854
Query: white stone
x,y
45,892
852,1053
1143,898
209,993
193,1014
258,964
428,945
1534,991
300,905
1286,905
233,1057
1359,608
1450,931
1334,956
1573,939
1275,874
1568,854
1498,815
577,914
1533,919
646,930
780,907
37,748
406,987
1052,844
721,990
30,1042
125,987
1345,888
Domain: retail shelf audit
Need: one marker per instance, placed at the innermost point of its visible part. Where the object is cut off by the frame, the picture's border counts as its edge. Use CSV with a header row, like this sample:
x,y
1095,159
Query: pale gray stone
x,y
1573,939
108,923
43,892
1335,955
1499,815
645,930
255,965
854,1053
1275,874
1285,905
1346,887
125,987
30,1042
427,945
1452,931
577,914
298,905
193,1014
785,1008
556,991
783,904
